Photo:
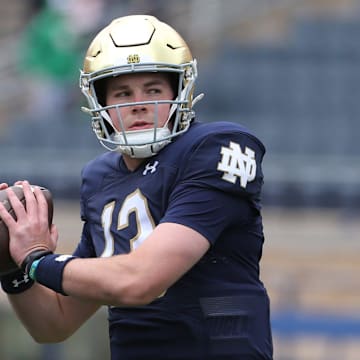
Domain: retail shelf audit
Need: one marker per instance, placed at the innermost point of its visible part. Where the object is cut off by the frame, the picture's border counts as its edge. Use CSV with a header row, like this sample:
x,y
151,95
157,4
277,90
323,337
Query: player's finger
x,y
16,204
3,186
42,204
6,217
30,199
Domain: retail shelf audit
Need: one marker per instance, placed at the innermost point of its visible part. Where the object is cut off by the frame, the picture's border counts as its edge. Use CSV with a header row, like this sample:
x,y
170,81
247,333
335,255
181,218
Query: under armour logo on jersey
x,y
150,167
16,283
237,164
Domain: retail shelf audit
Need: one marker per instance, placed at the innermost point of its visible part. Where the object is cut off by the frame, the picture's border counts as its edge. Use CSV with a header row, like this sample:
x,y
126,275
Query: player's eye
x,y
154,91
123,93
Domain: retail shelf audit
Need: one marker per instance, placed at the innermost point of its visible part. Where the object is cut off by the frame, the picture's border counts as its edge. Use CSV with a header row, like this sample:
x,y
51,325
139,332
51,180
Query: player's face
x,y
135,88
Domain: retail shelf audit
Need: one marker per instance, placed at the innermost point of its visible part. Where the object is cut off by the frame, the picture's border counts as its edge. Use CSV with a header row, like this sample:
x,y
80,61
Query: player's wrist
x,y
31,257
16,282
48,270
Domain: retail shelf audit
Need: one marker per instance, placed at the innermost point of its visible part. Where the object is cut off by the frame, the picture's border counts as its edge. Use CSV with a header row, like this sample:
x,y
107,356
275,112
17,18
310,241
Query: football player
x,y
172,227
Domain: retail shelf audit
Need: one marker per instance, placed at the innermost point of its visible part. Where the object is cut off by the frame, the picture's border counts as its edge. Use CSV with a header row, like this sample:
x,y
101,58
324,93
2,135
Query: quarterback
x,y
172,229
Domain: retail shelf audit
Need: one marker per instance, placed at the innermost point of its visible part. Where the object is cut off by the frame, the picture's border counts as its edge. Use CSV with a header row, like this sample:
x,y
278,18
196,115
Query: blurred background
x,y
287,69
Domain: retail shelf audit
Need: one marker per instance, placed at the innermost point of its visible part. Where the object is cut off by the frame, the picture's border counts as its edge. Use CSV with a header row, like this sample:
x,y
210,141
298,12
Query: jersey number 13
x,y
135,203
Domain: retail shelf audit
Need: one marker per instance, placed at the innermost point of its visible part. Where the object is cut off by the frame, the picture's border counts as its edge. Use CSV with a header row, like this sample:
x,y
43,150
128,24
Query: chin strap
x,y
143,143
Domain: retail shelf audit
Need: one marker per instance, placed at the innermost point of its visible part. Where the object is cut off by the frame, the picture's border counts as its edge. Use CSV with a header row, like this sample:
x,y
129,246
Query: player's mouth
x,y
140,125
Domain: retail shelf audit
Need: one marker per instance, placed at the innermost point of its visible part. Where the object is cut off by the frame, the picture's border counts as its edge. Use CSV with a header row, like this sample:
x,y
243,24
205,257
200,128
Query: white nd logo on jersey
x,y
237,164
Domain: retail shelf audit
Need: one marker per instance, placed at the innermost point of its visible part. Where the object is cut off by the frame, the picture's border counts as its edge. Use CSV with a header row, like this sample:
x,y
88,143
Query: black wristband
x,y
16,282
26,264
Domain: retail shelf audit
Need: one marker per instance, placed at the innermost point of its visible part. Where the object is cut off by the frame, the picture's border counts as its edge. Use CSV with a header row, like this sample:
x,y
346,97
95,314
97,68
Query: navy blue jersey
x,y
208,179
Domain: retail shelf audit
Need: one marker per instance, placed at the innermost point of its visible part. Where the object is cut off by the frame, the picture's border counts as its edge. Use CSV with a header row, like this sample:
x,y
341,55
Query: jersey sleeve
x,y
220,185
85,247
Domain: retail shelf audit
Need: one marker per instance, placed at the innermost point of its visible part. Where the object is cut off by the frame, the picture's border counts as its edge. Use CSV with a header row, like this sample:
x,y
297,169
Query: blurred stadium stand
x,y
290,71
300,95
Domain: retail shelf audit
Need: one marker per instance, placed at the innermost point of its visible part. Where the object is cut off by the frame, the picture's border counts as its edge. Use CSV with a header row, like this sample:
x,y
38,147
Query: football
x,y
6,263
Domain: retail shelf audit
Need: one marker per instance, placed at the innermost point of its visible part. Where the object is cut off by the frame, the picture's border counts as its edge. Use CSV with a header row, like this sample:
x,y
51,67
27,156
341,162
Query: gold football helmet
x,y
131,44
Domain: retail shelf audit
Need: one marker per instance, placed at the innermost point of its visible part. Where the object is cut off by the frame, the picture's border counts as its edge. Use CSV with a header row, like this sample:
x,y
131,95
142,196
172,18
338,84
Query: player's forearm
x,y
108,281
44,314
38,309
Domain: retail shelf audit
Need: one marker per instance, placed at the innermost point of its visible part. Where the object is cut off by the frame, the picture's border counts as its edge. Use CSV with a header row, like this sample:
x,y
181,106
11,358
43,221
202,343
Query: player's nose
x,y
138,108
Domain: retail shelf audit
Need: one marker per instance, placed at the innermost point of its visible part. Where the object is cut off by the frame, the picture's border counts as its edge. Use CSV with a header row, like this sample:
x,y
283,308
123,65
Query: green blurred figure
x,y
51,53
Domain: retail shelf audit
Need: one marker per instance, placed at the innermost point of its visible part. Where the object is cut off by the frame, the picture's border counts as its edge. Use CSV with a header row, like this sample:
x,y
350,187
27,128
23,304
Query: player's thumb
x,y
54,236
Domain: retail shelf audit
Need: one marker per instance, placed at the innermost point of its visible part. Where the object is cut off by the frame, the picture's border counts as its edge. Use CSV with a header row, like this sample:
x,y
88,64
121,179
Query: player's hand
x,y
30,231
